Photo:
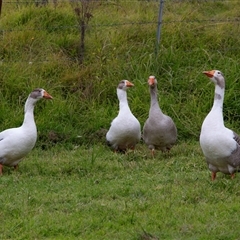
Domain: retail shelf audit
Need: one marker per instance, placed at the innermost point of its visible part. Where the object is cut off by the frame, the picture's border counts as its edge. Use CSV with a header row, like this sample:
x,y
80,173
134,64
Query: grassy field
x,y
93,193
71,186
39,48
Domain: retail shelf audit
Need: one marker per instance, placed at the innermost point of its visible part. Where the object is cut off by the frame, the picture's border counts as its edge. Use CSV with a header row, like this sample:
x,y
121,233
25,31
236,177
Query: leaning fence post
x,y
160,14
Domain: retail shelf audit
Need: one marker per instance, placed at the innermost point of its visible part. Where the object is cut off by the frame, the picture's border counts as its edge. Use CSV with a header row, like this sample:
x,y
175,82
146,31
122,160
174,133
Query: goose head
x,y
125,84
216,77
39,93
152,81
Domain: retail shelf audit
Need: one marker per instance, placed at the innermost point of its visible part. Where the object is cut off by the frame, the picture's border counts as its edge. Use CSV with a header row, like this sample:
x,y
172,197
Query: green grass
x,y
39,48
93,193
71,186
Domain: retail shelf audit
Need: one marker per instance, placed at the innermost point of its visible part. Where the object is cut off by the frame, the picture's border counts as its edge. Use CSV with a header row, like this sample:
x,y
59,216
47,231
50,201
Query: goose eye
x,y
218,73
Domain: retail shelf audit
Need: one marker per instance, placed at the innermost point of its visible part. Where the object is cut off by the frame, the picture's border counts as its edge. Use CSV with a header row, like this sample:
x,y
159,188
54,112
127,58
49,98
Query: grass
x,y
71,186
39,48
93,193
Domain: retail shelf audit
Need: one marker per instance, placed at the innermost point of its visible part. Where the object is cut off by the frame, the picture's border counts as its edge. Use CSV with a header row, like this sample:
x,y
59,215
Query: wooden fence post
x,y
160,15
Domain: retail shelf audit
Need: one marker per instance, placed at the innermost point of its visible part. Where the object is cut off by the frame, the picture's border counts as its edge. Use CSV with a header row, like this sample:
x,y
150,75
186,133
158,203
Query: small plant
x,y
83,11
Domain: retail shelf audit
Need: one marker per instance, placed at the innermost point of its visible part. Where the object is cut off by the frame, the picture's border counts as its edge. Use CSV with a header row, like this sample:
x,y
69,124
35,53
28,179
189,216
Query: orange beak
x,y
209,73
129,84
47,95
151,81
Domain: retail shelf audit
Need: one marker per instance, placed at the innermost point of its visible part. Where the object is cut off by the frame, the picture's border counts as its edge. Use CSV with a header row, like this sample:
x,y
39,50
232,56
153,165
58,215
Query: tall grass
x,y
39,48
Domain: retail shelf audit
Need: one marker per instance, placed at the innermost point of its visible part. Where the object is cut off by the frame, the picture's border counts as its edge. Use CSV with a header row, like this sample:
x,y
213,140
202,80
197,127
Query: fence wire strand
x,y
212,21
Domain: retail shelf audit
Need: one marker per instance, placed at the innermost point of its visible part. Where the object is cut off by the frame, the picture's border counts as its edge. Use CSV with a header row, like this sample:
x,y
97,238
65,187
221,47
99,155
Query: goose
x,y
125,129
159,130
15,143
220,145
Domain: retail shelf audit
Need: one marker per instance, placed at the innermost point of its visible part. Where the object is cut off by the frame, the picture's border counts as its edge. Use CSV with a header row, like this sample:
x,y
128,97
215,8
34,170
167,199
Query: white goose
x,y
159,130
15,143
220,145
125,129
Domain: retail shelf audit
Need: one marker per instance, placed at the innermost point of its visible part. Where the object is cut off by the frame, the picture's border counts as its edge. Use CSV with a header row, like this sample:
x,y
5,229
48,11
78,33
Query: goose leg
x,y
132,148
214,176
1,169
232,176
16,167
153,152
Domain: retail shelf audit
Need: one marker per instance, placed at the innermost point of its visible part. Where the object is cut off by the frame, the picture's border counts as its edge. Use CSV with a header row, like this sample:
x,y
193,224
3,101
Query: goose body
x,y
15,143
125,129
159,130
220,145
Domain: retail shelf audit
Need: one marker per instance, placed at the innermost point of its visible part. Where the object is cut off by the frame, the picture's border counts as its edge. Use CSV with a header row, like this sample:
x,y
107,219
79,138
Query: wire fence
x,y
160,21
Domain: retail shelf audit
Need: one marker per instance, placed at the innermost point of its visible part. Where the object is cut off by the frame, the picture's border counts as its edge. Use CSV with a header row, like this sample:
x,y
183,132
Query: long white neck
x,y
123,102
218,97
217,108
29,112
